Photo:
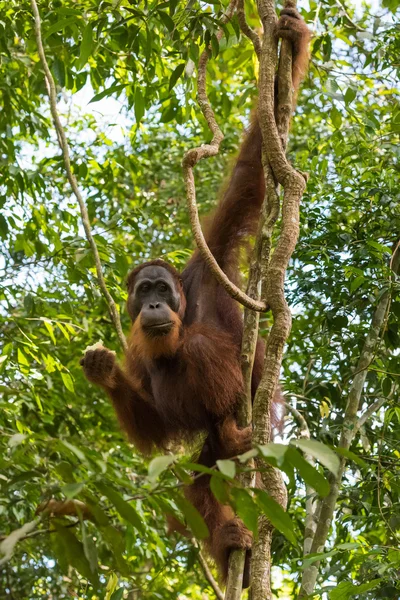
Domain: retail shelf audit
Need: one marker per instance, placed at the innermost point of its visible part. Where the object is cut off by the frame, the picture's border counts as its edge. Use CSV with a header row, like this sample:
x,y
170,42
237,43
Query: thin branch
x,y
37,532
234,584
303,425
368,413
207,572
349,428
346,14
271,271
396,250
191,158
62,140
317,15
246,29
294,184
8,544
312,505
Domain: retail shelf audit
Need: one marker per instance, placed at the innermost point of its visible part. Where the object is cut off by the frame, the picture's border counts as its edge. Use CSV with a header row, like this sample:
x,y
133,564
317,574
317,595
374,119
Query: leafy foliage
x,y
126,81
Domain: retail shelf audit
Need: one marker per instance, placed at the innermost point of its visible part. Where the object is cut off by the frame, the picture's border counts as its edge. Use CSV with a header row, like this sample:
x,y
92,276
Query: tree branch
x,y
256,286
368,413
8,544
234,584
349,429
62,140
274,159
191,158
261,273
312,504
207,572
346,14
246,29
303,425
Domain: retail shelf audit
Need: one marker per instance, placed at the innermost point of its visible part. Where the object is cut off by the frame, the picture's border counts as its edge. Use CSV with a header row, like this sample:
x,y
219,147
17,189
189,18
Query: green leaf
x,y
118,594
75,450
139,105
126,510
159,464
351,456
274,451
64,331
243,458
116,88
348,546
220,489
245,56
29,303
193,518
200,468
89,548
111,585
22,358
394,556
275,513
166,19
214,45
318,556
355,284
67,381
115,540
98,513
62,24
380,247
50,330
183,475
246,508
86,46
58,68
346,589
65,471
169,112
3,227
386,386
321,452
75,553
175,75
227,468
350,94
336,117
72,489
310,475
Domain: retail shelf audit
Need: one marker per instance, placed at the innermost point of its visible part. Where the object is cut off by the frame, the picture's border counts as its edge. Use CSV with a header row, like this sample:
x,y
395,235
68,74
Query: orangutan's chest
x,y
173,401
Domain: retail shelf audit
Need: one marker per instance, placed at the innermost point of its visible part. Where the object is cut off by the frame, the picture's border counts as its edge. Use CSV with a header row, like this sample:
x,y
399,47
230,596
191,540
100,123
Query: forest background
x,y
126,80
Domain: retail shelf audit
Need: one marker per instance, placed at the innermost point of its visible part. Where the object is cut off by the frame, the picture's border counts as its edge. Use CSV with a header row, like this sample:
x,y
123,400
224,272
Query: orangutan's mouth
x,y
159,328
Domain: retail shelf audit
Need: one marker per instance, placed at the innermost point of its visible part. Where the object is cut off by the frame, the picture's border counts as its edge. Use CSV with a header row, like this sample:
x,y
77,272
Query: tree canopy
x,y
126,82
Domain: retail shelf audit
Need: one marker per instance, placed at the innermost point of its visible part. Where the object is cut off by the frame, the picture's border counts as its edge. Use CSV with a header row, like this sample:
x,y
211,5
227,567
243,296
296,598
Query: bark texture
x,y
267,273
274,160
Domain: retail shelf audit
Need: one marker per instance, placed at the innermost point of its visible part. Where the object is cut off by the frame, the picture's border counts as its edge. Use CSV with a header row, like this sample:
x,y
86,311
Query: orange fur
x,y
234,440
291,27
175,386
147,348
